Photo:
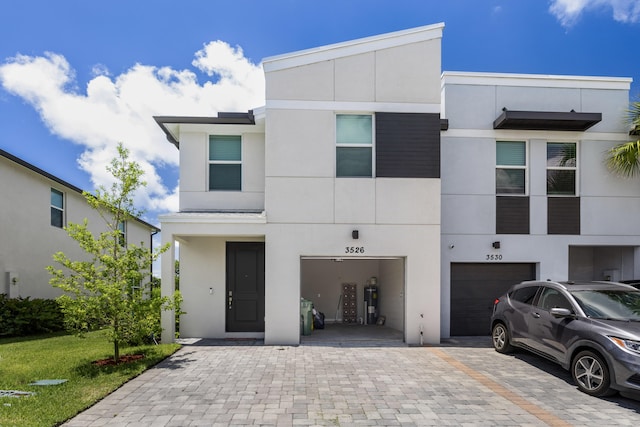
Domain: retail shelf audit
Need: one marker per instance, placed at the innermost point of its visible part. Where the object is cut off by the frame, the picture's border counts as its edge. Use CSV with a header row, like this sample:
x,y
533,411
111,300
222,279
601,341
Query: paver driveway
x,y
462,383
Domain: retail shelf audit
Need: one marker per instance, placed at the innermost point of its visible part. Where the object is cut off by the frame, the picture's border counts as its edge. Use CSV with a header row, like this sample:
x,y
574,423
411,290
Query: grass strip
x,y
25,360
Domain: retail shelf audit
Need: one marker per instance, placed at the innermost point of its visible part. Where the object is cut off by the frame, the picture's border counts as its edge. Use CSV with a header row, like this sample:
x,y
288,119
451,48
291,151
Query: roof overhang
x,y
170,125
546,120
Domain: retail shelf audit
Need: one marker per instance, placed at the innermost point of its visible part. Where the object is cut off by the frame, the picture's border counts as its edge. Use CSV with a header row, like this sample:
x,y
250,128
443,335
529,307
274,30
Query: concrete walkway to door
x,y
463,382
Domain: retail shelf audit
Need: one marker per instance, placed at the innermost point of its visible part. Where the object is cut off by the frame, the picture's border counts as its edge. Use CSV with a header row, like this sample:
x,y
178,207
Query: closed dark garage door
x,y
474,287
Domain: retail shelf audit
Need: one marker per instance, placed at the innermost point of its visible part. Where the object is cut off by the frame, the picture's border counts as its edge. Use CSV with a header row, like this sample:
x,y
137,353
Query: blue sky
x,y
78,76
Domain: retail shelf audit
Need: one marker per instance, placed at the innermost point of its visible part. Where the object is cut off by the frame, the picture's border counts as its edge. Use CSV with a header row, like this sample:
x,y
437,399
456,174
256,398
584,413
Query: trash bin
x,y
307,316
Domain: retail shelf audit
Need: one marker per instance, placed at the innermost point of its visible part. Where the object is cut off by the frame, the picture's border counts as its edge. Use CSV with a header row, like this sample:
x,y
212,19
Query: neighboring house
x,y
526,193
344,176
36,206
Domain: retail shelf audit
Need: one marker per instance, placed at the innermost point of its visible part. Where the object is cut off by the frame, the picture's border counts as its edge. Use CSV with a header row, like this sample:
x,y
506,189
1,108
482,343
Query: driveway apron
x,y
463,382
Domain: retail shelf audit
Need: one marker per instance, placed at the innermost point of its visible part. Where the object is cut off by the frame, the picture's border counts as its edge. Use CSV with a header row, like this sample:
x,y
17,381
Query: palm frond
x,y
624,159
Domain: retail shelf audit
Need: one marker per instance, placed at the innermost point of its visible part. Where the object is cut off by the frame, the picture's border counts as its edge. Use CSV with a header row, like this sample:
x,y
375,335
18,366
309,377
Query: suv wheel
x,y
591,374
500,338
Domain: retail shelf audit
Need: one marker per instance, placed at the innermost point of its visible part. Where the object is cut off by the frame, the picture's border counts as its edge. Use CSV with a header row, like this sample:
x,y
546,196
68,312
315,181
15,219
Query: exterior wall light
x,y
496,245
355,234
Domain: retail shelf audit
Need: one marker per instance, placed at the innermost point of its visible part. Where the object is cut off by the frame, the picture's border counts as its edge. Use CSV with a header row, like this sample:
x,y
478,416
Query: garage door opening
x,y
362,299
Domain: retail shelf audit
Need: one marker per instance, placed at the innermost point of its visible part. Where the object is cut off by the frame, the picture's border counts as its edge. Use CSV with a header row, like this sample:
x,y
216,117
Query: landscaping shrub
x,y
25,316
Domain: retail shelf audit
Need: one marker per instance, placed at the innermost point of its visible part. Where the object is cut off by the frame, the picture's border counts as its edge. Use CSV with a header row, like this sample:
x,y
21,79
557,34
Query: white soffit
x,y
352,47
534,80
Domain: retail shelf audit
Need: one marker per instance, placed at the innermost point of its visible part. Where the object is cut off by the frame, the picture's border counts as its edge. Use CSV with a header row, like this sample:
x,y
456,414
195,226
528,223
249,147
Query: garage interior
x,y
328,282
612,263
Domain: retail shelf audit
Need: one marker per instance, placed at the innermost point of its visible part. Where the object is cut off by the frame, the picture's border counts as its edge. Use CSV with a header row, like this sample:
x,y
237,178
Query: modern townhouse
x,y
368,166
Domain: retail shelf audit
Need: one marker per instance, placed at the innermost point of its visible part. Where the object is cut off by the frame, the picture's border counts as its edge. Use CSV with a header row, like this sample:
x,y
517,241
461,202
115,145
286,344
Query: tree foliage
x,y
111,287
624,159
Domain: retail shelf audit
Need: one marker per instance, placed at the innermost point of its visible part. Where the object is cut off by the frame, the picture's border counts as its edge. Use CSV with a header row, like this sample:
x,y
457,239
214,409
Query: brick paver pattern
x,y
221,385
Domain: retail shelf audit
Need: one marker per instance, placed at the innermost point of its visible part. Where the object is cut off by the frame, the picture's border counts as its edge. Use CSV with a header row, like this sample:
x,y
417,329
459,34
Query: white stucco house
x,y
36,206
367,161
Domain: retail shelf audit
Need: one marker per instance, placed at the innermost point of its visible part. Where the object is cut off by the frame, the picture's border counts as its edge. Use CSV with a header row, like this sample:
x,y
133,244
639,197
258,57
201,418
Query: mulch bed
x,y
127,358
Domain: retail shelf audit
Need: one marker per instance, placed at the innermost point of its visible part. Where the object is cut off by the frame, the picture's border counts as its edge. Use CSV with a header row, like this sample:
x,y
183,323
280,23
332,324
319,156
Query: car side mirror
x,y
561,312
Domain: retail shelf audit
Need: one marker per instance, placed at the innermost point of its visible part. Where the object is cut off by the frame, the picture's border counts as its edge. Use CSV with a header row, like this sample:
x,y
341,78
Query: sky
x,y
77,77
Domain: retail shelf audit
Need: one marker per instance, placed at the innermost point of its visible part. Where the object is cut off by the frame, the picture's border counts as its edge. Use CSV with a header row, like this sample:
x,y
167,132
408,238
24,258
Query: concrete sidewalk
x,y
460,383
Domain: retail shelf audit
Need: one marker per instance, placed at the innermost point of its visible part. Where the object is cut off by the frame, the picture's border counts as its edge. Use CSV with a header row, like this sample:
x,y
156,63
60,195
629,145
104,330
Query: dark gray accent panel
x,y
512,215
407,145
474,287
563,215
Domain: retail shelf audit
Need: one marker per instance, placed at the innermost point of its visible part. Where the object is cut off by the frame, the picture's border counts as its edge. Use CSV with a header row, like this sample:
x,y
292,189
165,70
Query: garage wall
x,y
321,282
391,293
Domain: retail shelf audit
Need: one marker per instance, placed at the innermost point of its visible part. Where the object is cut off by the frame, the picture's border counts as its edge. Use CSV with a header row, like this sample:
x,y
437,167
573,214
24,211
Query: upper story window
x,y
562,166
57,208
354,145
122,233
511,167
225,163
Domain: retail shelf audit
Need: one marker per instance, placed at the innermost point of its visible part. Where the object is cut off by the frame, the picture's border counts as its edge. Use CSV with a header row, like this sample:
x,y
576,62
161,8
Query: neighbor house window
x,y
122,233
354,145
511,167
57,208
561,168
225,163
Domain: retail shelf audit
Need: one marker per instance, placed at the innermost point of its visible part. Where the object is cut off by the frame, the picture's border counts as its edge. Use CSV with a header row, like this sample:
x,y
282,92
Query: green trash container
x,y
307,316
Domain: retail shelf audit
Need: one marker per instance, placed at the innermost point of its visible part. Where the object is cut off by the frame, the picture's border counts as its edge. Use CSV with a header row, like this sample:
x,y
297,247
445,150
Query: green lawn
x,y
24,360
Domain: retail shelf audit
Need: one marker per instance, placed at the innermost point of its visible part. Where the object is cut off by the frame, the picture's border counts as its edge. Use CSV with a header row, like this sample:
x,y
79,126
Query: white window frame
x,y
573,168
525,168
224,162
339,145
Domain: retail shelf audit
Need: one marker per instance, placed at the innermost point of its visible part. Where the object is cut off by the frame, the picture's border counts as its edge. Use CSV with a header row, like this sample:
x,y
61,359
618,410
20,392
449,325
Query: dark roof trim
x,y
62,182
222,119
546,120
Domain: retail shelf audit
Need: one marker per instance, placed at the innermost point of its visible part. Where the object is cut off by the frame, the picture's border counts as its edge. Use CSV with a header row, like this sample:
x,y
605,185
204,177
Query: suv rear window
x,y
524,295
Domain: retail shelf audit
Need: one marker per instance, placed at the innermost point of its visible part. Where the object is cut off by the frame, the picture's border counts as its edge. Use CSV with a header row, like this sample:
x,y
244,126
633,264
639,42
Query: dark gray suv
x,y
590,328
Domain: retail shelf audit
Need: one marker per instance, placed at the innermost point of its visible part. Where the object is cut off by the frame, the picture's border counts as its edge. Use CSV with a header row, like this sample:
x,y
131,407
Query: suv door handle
x,y
536,315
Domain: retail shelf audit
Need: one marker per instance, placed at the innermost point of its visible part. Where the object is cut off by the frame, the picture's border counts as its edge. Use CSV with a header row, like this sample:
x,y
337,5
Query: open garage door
x,y
323,280
474,287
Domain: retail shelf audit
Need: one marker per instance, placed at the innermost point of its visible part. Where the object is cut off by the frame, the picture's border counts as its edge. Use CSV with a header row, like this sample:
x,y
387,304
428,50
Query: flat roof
x,y
223,118
546,120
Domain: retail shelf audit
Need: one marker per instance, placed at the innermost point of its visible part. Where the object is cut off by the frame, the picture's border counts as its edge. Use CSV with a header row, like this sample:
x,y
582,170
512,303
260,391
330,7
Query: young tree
x,y
110,288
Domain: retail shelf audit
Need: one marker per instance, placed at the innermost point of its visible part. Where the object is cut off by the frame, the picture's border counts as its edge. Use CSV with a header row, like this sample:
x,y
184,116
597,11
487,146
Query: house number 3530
x,y
354,249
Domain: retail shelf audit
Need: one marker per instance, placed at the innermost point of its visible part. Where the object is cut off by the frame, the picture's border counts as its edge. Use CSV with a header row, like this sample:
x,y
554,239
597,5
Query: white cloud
x,y
121,109
569,11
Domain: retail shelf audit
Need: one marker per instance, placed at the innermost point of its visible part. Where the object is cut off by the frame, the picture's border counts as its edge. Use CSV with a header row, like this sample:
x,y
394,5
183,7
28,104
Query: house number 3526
x,y
354,249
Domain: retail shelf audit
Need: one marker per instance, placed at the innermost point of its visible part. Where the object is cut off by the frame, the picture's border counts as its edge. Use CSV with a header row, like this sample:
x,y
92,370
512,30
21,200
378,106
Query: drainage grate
x,y
15,393
48,382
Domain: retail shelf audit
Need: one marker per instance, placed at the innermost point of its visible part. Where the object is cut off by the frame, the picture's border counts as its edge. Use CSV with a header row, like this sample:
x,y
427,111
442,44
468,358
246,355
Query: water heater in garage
x,y
371,302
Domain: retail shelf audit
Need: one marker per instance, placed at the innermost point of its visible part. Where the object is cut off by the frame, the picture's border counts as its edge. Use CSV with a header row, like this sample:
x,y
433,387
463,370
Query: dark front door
x,y
245,287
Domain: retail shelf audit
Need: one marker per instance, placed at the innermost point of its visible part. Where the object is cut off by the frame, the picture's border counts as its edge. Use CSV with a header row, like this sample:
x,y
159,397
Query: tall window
x,y
561,168
354,145
122,233
57,208
225,163
511,167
